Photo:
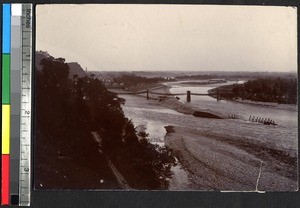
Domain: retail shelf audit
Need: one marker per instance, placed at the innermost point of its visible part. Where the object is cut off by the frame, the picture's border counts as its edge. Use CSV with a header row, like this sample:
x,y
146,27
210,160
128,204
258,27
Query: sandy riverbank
x,y
226,154
217,162
169,101
289,107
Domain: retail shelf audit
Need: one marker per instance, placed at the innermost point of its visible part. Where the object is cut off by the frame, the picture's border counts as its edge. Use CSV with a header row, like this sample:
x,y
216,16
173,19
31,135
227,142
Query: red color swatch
x,y
5,180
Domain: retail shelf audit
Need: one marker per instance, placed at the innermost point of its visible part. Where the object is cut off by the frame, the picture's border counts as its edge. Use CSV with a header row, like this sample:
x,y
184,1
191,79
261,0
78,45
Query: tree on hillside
x,y
69,109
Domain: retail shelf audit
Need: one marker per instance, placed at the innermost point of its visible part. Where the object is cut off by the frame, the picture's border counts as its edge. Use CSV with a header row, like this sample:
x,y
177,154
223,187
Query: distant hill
x,y
75,68
39,55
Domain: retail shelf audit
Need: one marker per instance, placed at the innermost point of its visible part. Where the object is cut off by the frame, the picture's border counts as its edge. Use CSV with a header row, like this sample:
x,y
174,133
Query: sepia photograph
x,y
166,97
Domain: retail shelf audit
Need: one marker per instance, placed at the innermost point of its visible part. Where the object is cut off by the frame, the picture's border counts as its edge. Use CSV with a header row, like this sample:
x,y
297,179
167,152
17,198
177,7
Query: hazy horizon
x,y
170,37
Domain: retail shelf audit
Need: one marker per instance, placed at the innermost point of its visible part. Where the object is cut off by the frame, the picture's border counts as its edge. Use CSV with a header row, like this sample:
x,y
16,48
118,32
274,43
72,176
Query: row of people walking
x,y
262,120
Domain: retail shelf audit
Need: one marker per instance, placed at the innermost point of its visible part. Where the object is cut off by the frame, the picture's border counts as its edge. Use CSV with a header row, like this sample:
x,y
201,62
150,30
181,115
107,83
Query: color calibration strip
x,y
16,61
15,100
5,157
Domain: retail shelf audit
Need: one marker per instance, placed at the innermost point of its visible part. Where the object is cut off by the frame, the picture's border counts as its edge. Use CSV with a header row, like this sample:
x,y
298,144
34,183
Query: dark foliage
x,y
238,75
278,90
68,110
133,80
200,76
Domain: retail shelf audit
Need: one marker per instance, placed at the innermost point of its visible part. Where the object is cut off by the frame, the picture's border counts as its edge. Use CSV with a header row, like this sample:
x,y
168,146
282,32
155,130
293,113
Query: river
x,y
154,117
284,117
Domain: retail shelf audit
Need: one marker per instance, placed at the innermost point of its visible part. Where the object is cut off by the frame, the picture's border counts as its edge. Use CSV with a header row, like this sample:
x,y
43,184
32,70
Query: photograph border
x,y
41,198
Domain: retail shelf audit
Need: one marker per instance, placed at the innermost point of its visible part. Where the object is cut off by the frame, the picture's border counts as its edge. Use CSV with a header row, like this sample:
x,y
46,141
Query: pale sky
x,y
170,37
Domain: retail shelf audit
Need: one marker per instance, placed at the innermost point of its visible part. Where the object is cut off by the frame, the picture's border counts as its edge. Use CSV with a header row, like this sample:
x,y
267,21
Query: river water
x,y
150,119
154,117
284,117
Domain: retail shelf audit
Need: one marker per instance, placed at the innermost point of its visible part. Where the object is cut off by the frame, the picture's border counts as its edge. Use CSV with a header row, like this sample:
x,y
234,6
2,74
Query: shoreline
x,y
200,154
289,107
172,103
222,154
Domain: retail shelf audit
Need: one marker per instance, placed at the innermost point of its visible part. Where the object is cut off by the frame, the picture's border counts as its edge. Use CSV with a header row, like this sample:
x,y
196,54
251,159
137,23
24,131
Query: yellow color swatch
x,y
5,129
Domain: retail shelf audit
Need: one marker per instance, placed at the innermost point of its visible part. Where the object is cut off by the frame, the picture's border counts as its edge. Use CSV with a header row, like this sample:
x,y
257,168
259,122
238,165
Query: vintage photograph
x,y
166,97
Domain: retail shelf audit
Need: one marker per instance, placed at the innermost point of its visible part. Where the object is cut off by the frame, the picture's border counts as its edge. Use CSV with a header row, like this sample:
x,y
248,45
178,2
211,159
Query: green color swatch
x,y
5,78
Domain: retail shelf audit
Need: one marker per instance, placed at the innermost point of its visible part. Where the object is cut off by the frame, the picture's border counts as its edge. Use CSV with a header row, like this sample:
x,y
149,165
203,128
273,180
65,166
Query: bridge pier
x,y
188,96
147,94
218,95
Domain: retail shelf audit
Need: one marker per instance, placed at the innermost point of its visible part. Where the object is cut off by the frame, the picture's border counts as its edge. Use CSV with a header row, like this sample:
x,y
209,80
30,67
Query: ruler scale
x,y
16,104
25,123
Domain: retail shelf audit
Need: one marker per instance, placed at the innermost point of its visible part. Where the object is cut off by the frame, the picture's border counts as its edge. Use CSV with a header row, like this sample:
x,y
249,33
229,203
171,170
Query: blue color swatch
x,y
6,28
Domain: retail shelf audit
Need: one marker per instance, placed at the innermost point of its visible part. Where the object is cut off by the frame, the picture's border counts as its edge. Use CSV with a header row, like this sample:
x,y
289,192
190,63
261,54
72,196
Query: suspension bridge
x,y
188,94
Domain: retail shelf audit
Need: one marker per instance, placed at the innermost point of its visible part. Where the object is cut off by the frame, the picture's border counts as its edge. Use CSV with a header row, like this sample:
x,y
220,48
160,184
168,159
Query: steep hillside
x,y
84,141
75,68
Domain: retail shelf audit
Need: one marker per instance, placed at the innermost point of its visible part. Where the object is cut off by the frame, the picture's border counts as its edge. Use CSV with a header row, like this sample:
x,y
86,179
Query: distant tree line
x,y
278,90
69,109
238,75
200,76
134,80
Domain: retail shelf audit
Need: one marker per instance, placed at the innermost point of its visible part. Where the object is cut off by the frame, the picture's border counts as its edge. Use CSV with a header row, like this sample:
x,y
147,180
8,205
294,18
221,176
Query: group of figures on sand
x,y
266,121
